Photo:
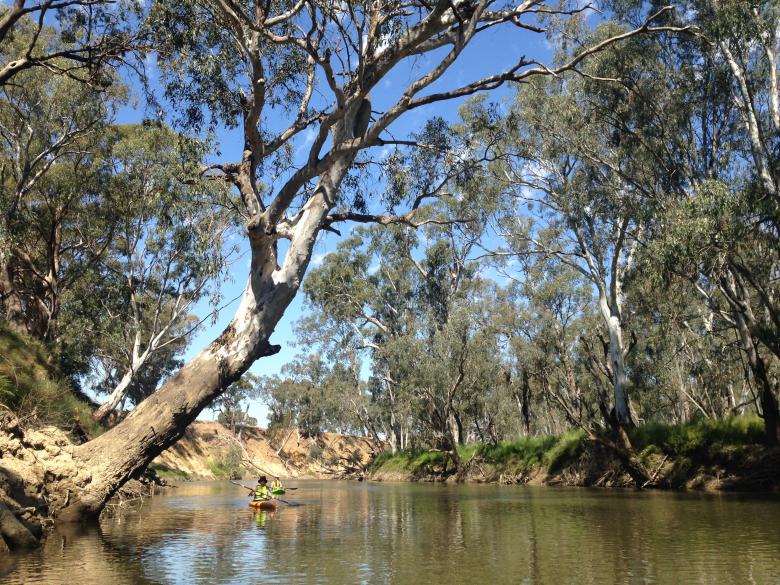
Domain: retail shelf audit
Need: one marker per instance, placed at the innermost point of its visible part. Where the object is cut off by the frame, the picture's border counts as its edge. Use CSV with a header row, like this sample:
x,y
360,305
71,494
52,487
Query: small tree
x,y
232,405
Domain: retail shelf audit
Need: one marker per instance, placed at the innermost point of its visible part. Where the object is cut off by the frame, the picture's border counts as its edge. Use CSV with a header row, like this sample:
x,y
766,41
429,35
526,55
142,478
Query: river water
x,y
349,532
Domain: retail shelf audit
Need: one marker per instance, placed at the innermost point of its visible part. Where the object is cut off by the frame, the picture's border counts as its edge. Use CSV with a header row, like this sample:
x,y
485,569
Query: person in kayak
x,y
276,487
261,491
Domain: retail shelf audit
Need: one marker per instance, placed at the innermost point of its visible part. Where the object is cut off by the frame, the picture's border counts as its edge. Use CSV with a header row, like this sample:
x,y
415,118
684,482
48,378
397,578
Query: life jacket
x,y
261,493
276,484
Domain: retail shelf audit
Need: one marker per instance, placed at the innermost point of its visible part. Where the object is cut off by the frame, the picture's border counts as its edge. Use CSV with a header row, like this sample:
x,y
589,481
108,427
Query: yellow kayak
x,y
262,505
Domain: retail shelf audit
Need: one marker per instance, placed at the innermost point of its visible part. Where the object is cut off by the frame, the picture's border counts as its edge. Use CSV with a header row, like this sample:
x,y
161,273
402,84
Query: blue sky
x,y
492,52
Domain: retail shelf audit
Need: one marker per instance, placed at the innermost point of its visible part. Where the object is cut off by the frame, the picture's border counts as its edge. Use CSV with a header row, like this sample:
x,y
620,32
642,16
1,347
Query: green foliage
x,y
528,450
566,451
683,442
315,452
227,465
168,473
409,460
231,403
553,453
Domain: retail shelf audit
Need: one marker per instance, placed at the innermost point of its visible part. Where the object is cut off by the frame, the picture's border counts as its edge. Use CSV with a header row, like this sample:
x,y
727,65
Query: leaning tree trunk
x,y
104,464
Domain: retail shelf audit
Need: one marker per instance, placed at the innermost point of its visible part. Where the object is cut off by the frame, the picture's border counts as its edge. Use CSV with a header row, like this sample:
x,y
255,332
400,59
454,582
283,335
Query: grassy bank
x,y
709,454
31,387
168,473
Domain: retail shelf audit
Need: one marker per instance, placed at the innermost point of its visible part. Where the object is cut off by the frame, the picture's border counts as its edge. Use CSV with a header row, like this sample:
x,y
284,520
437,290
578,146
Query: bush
x,y
315,451
528,451
228,466
565,451
407,460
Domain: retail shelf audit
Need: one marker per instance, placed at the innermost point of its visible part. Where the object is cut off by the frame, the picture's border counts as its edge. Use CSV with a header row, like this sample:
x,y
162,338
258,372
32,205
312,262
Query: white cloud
x,y
317,259
308,139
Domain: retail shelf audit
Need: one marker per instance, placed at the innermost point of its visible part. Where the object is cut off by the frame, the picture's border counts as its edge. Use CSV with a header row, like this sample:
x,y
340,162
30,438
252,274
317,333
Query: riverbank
x,y
702,455
208,450
43,419
32,456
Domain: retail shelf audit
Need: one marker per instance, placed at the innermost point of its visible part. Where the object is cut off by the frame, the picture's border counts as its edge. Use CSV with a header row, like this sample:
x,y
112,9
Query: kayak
x,y
262,505
278,491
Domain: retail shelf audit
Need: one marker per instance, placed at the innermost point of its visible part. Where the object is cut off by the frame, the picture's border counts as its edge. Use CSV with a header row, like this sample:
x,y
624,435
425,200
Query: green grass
x,y
554,453
527,453
168,473
523,454
565,451
31,388
408,460
698,436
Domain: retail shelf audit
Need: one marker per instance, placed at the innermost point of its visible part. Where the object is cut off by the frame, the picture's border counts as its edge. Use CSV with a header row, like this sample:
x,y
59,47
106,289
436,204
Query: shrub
x,y
315,451
227,466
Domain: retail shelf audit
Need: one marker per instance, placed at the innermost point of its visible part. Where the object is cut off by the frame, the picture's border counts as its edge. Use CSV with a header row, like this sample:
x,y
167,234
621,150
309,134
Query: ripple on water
x,y
419,534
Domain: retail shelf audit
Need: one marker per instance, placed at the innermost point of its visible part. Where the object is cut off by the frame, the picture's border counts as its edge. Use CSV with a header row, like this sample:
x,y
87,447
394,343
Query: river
x,y
349,532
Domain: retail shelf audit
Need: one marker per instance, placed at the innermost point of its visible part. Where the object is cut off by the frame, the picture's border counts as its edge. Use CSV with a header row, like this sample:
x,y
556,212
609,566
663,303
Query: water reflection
x,y
419,534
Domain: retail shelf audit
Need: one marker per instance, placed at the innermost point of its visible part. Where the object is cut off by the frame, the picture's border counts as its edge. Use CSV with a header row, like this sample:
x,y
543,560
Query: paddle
x,y
292,504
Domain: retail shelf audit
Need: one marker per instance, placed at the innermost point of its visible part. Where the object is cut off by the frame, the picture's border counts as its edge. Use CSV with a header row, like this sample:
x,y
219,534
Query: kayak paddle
x,y
291,504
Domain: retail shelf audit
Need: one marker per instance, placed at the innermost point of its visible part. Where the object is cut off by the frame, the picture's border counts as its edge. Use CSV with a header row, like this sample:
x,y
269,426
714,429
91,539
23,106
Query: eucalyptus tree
x,y
303,399
170,248
89,35
547,325
279,70
746,36
457,365
687,364
362,299
588,216
232,405
53,145
335,337
713,241
721,224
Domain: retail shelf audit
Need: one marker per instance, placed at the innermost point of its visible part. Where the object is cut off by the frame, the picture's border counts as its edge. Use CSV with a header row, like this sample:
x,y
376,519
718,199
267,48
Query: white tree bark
x,y
747,108
617,361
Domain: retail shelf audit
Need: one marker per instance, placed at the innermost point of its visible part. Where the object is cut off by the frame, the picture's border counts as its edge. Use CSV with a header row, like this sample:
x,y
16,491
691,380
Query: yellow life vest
x,y
276,484
261,493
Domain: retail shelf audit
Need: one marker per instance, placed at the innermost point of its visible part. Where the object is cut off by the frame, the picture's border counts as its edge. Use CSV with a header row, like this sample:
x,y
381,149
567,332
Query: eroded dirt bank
x,y
33,459
729,468
208,450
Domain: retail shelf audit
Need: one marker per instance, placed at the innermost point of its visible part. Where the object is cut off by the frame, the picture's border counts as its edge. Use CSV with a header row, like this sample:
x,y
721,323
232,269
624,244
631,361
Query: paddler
x,y
276,484
261,491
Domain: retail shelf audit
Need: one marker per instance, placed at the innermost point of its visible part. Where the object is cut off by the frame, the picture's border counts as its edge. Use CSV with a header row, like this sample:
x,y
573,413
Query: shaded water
x,y
419,534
